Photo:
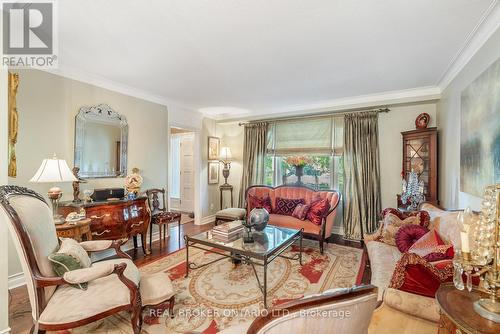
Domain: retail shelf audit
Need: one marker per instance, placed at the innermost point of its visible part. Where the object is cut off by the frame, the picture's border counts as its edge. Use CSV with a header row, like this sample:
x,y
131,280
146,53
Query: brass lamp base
x,y
488,308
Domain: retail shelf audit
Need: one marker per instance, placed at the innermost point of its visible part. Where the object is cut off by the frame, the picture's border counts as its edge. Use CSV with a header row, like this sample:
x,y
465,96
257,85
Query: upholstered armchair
x,y
113,285
346,311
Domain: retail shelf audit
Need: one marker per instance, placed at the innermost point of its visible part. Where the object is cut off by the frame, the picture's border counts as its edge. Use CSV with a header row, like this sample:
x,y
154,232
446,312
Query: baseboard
x,y
17,280
338,230
5,331
208,219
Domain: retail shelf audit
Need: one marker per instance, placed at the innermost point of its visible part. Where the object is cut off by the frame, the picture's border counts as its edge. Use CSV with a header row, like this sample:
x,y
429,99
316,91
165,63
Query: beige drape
x,y
362,174
254,153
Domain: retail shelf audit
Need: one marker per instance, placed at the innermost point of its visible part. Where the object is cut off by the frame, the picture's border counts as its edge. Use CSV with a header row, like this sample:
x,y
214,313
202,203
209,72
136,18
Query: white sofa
x,y
383,260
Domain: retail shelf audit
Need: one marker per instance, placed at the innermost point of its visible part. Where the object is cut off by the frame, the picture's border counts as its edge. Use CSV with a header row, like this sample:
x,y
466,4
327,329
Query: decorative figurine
x,y
133,181
76,185
422,121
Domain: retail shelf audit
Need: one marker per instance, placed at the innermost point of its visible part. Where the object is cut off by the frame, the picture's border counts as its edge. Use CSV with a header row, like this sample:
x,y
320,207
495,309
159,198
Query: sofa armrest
x,y
414,305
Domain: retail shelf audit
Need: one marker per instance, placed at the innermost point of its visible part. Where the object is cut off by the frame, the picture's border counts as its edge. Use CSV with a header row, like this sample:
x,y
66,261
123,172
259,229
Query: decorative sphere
x,y
258,218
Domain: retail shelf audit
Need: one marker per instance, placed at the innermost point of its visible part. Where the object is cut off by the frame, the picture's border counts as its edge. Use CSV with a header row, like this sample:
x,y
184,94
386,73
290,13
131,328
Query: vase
x,y
299,171
258,218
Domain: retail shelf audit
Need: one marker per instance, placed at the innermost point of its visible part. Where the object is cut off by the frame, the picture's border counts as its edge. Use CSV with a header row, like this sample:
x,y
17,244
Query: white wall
x,y
4,249
390,126
209,192
47,105
449,123
231,135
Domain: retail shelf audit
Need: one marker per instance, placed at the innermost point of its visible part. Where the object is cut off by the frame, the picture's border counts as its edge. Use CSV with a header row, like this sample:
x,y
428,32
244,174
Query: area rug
x,y
221,295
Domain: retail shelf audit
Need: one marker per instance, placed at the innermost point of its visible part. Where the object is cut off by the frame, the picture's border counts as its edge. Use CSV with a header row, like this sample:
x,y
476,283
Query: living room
x,y
250,167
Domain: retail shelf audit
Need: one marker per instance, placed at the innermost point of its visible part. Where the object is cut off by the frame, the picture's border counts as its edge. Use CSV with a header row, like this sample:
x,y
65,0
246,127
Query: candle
x,y
464,237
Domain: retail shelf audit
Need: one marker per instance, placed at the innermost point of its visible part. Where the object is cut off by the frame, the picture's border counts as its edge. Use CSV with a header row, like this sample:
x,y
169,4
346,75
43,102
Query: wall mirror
x,y
101,136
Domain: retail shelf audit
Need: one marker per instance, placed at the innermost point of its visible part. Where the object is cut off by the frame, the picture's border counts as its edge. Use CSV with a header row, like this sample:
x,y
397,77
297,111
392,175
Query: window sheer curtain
x,y
254,154
362,174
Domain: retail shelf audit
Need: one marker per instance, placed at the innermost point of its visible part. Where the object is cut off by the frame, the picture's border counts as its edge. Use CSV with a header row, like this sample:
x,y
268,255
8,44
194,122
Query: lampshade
x,y
225,154
53,170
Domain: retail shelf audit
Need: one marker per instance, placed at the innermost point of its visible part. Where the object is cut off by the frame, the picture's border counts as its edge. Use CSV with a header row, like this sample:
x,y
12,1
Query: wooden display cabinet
x,y
420,153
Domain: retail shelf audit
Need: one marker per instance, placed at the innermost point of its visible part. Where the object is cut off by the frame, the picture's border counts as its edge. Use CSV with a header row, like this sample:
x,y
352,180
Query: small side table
x,y
222,188
78,230
458,315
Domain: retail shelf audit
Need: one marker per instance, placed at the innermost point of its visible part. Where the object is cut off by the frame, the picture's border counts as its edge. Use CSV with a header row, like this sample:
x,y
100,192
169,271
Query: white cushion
x,y
69,304
232,213
155,289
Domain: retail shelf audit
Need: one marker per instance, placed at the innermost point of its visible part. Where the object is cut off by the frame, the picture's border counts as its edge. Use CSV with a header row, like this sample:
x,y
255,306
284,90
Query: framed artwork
x,y
480,132
213,172
213,148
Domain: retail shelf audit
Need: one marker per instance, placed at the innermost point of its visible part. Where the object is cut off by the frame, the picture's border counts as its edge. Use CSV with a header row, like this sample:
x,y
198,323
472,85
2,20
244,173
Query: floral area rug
x,y
221,295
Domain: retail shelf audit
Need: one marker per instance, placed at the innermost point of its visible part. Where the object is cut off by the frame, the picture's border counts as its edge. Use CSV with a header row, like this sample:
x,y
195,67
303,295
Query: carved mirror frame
x,y
102,111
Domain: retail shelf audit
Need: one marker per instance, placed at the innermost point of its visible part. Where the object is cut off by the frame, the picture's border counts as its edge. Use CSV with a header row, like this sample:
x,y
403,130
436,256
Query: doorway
x,y
182,170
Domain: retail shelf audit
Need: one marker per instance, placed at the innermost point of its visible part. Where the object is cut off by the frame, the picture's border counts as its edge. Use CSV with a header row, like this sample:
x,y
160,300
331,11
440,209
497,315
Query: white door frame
x,y
196,167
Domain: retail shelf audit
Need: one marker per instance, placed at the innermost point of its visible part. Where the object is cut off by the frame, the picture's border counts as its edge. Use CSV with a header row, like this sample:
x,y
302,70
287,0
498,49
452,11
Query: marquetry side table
x,y
79,230
458,315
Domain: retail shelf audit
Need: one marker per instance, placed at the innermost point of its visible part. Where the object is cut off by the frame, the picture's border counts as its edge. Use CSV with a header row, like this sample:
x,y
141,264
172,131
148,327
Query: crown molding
x,y
99,81
384,99
487,25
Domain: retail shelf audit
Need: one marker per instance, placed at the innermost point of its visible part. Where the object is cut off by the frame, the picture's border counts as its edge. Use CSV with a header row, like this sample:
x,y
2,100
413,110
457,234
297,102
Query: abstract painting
x,y
480,132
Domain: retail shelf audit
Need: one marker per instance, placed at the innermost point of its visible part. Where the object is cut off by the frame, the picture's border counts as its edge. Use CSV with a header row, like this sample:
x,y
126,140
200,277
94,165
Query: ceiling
x,y
255,58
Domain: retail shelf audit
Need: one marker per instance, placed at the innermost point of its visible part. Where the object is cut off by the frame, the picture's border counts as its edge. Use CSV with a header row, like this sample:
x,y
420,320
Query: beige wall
x,y
4,249
231,135
399,119
449,123
47,106
209,192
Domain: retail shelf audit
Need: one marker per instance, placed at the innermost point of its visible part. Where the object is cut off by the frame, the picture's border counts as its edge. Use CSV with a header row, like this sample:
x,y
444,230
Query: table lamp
x,y
225,158
54,171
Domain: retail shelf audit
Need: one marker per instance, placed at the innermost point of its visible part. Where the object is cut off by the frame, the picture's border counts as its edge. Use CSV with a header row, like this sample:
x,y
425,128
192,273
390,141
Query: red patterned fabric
x,y
300,211
165,216
416,275
429,243
407,235
317,211
423,216
285,206
259,202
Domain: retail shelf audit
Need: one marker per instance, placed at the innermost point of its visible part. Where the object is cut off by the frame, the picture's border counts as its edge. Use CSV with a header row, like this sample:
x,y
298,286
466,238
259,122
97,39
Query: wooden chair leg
x,y
165,231
151,235
179,232
321,245
159,234
136,320
171,307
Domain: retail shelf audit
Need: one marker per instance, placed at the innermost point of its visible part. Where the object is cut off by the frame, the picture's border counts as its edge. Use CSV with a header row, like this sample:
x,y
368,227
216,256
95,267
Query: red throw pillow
x,y
301,211
430,243
258,202
423,216
317,211
407,235
285,206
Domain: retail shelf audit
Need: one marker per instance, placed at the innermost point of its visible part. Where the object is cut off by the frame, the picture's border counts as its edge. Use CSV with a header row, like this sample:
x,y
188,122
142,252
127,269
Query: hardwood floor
x,y
19,307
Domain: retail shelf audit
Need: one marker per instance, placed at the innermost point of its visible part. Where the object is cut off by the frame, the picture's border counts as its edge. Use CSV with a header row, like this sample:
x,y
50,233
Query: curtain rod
x,y
278,119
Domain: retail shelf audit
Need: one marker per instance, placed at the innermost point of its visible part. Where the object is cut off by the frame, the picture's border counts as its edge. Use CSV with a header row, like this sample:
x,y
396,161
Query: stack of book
x,y
228,232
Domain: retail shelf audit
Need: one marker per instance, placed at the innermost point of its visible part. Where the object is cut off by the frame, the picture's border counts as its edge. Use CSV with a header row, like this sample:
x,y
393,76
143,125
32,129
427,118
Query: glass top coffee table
x,y
267,246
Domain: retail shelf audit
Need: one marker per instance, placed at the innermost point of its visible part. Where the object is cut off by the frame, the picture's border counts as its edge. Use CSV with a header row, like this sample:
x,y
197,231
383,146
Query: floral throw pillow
x,y
259,202
423,216
285,206
301,211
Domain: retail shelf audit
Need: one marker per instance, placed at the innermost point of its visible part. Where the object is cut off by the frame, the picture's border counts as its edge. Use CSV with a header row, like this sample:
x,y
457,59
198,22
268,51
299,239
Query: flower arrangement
x,y
298,161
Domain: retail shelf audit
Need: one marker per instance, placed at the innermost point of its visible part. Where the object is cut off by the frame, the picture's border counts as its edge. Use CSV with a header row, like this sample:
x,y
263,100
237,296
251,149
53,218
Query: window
x,y
318,142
